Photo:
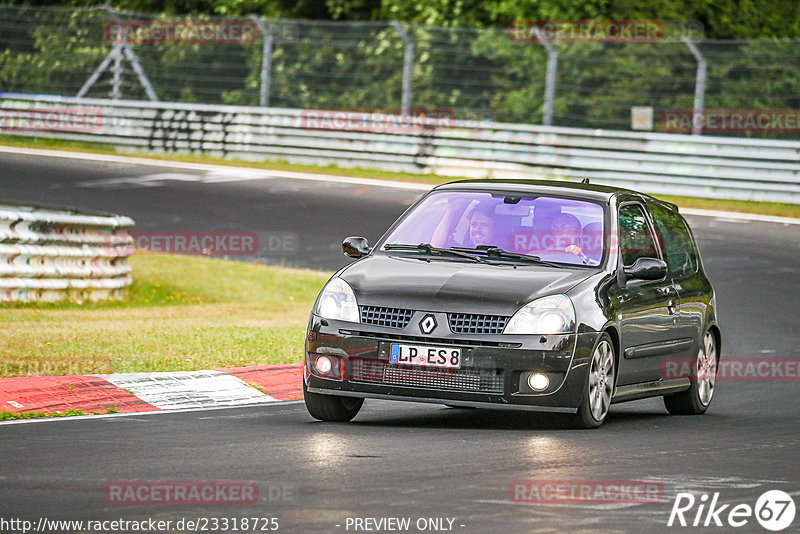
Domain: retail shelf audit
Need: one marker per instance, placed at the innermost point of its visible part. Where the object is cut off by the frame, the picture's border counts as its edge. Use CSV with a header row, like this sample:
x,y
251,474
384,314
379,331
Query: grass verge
x,y
742,206
8,416
182,313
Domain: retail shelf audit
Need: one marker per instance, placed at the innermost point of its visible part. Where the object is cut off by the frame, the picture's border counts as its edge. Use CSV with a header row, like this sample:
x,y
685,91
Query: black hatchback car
x,y
531,295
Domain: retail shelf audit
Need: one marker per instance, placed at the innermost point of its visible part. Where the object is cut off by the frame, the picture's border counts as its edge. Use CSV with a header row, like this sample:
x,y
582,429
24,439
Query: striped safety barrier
x,y
711,166
50,254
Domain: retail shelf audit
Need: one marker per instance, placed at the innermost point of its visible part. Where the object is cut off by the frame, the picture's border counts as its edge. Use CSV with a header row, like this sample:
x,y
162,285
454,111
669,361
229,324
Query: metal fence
x,y
481,74
694,165
51,254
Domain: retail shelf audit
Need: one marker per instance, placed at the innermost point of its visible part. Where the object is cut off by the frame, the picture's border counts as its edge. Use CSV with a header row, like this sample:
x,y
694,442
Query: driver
x,y
566,232
480,231
481,225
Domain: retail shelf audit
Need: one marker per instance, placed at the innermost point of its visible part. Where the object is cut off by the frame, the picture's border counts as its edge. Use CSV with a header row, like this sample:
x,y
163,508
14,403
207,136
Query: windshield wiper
x,y
497,252
430,249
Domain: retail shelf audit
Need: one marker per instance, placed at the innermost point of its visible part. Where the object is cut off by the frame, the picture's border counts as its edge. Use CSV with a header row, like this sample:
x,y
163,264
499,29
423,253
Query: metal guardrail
x,y
51,254
693,165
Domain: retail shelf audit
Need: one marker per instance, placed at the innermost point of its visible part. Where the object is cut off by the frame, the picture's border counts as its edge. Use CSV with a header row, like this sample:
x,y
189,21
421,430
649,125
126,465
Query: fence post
x,y
408,65
699,85
266,61
116,83
550,78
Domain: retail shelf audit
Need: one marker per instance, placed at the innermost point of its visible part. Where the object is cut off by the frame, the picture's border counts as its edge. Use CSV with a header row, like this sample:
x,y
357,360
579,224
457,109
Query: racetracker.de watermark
x,y
180,493
584,31
181,31
730,120
379,121
62,119
585,491
218,243
759,369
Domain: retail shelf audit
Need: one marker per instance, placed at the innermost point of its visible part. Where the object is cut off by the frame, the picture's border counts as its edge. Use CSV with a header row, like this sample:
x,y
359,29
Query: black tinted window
x,y
676,241
635,237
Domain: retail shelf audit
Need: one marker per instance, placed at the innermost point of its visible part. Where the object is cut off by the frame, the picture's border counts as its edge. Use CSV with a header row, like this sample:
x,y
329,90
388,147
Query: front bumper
x,y
492,374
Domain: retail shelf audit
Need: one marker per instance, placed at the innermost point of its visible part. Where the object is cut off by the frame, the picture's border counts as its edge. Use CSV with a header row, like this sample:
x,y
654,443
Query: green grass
x,y
743,206
8,416
181,313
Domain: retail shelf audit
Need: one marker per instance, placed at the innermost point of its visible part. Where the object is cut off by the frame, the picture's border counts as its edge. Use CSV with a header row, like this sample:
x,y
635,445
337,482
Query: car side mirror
x,y
647,269
355,247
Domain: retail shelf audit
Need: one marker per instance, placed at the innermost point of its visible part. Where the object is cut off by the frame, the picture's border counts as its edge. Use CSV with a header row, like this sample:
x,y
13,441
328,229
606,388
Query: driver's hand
x,y
456,206
574,249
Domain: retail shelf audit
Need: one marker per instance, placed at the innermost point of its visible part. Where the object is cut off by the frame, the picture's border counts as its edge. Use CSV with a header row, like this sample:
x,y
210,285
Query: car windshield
x,y
554,229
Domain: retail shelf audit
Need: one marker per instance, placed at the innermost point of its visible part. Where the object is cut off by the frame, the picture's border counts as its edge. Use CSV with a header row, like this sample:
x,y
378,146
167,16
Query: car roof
x,y
587,190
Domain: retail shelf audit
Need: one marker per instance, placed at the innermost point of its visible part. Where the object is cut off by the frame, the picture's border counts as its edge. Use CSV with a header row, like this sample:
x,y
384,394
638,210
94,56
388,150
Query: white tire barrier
x,y
51,254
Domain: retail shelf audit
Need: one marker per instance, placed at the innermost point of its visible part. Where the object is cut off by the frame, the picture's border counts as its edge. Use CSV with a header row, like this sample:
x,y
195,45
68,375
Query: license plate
x,y
446,357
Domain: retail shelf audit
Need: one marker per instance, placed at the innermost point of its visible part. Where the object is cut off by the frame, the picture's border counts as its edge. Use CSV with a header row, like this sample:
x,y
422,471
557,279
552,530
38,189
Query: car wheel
x,y
599,386
695,400
331,407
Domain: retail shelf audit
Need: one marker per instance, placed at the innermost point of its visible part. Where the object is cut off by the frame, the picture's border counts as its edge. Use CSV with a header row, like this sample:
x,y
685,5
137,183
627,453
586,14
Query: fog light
x,y
323,365
538,381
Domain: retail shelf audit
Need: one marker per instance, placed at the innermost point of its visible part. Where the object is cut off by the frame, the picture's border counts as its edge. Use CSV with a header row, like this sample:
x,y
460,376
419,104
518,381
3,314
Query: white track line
x,y
154,412
250,173
740,216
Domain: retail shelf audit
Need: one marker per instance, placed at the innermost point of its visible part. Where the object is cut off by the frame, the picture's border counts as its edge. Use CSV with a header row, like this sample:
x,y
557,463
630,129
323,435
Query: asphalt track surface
x,y
409,460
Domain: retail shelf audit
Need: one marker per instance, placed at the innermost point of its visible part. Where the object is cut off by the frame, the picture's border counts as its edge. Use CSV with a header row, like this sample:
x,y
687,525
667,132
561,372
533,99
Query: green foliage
x,y
722,19
464,59
41,49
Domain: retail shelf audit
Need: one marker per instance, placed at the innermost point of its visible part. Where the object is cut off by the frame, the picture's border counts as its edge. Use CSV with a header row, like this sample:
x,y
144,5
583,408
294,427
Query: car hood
x,y
455,286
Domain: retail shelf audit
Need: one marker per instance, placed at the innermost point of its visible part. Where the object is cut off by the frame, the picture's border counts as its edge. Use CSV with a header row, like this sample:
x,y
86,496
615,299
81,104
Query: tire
x,y
331,407
696,399
599,387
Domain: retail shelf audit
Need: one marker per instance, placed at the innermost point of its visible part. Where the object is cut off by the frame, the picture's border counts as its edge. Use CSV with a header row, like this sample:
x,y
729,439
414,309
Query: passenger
x,y
566,231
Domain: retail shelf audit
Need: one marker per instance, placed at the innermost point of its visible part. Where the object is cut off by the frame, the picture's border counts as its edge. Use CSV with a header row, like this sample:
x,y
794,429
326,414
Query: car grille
x,y
427,339
388,317
479,380
467,323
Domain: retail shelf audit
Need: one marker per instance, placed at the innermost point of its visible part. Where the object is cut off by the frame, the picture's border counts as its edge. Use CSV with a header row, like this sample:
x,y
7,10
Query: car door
x,y
646,309
692,287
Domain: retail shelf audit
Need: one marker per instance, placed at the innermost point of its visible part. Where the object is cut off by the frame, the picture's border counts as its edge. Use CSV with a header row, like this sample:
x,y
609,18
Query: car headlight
x,y
547,315
338,302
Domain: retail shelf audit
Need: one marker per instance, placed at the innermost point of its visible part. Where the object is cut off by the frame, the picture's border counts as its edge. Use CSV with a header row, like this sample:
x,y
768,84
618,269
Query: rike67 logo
x,y
774,510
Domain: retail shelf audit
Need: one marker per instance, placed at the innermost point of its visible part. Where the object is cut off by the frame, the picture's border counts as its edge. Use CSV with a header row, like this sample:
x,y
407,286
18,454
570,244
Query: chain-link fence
x,y
481,74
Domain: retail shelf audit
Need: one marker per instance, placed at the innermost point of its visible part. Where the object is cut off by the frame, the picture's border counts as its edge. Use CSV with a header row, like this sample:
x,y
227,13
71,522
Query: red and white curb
x,y
147,392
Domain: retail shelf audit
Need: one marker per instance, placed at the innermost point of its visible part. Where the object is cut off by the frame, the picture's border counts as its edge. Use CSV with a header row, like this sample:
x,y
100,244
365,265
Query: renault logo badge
x,y
427,324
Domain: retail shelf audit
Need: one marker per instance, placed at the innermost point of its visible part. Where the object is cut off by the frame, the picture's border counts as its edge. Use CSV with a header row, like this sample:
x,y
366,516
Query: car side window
x,y
635,238
676,241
